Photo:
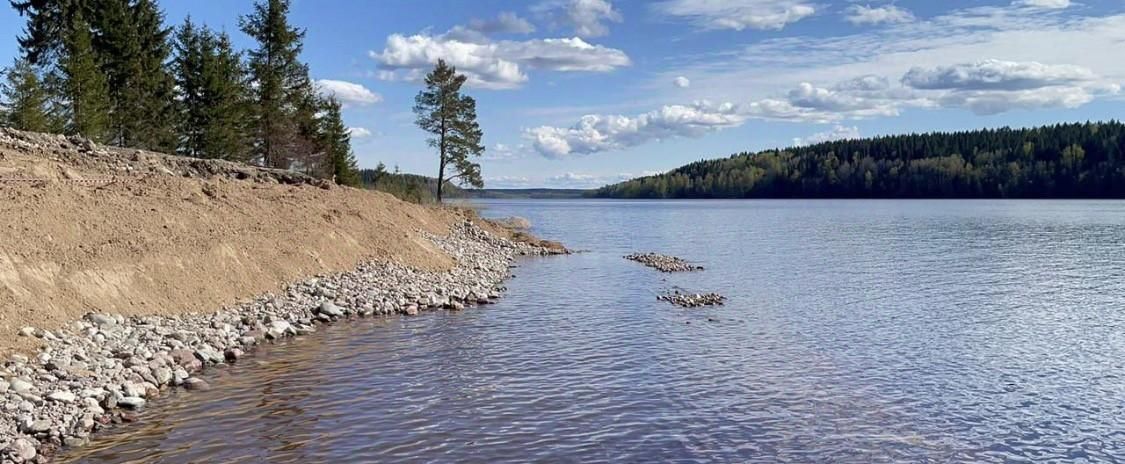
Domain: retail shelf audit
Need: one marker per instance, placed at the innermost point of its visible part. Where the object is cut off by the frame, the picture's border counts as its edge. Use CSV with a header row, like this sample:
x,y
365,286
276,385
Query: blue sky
x,y
578,93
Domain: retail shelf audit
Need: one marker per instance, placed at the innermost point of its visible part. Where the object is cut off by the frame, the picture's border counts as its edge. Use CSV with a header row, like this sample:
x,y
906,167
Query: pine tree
x,y
337,144
25,99
82,85
187,69
281,83
451,118
48,25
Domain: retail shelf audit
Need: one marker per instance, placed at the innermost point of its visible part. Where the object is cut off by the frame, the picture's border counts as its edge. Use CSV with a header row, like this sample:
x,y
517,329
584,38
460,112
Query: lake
x,y
854,331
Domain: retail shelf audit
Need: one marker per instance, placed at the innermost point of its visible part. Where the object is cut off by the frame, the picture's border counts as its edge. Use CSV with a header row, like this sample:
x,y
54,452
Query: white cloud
x,y
836,133
738,14
888,14
496,65
1044,4
359,132
505,152
505,23
586,17
681,82
996,75
598,133
349,93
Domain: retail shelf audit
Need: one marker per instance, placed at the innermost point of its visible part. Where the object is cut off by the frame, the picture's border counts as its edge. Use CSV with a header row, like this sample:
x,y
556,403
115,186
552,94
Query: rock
x,y
410,310
20,386
163,375
27,332
62,397
101,320
74,442
696,300
4,386
208,355
196,384
131,402
22,450
278,329
232,354
663,263
133,389
328,308
187,360
33,427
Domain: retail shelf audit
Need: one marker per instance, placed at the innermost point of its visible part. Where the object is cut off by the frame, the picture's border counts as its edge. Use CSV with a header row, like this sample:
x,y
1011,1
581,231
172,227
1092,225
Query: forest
x,y
1079,160
112,71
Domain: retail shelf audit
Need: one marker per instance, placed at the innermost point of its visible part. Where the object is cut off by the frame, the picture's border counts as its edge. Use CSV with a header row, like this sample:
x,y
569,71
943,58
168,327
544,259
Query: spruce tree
x,y
82,85
25,99
451,118
281,83
212,104
132,43
337,143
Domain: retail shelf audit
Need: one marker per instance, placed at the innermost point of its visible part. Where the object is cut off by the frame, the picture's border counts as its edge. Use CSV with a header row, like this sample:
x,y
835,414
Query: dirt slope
x,y
85,228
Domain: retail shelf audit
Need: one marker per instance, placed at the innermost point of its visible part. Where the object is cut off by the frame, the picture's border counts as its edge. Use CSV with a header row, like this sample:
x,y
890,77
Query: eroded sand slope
x,y
86,228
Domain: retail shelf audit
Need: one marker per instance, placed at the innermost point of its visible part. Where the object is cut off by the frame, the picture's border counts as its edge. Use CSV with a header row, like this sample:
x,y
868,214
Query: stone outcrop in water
x,y
693,300
663,263
92,371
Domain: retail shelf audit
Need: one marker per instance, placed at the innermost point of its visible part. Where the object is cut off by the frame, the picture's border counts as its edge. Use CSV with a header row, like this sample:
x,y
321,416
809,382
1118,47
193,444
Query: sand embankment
x,y
85,228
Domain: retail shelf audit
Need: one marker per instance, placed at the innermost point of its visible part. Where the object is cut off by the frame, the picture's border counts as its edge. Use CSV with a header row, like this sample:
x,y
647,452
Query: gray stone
x,y
278,329
101,320
208,355
329,308
20,386
196,384
62,397
32,427
4,385
163,375
27,332
131,402
22,450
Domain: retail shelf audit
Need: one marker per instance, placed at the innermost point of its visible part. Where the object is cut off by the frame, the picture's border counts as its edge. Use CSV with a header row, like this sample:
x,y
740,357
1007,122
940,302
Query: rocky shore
x,y
663,263
100,370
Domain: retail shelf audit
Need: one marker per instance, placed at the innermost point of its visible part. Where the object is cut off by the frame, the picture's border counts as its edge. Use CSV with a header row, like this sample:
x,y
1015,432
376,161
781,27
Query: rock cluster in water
x,y
693,300
99,370
663,263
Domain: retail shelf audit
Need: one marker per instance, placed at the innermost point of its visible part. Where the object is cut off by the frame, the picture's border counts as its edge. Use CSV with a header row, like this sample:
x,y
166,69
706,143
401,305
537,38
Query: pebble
x,y
104,366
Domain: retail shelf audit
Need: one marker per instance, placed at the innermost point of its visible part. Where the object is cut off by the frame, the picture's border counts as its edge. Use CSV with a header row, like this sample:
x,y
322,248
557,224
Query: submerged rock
x,y
693,300
663,263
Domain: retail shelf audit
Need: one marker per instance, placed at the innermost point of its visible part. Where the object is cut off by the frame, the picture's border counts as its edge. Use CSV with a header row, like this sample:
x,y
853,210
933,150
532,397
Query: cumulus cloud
x,y
996,75
587,17
1044,4
496,65
836,133
993,86
359,132
348,93
681,82
738,14
505,152
888,14
598,133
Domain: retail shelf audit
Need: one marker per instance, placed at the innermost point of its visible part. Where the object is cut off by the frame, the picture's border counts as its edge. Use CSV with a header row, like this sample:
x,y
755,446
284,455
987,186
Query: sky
x,y
581,93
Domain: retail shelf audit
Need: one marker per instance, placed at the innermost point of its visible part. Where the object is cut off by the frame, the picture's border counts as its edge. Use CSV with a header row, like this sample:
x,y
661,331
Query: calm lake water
x,y
855,331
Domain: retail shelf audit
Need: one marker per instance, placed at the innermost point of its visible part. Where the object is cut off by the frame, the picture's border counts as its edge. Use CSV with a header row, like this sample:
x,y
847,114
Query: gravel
x,y
663,263
95,370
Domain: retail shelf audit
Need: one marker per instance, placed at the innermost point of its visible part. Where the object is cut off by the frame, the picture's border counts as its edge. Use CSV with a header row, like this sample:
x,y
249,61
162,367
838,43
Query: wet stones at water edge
x,y
663,263
103,369
693,300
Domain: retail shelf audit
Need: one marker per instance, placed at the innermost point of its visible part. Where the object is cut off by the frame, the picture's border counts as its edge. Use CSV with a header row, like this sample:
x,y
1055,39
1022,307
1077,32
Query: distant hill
x,y
532,193
1084,160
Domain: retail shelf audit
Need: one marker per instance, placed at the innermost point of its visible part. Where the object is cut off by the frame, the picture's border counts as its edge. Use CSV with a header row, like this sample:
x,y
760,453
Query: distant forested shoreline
x,y
1081,160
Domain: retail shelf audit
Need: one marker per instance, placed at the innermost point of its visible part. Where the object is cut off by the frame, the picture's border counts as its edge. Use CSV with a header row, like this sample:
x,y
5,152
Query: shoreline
x,y
98,371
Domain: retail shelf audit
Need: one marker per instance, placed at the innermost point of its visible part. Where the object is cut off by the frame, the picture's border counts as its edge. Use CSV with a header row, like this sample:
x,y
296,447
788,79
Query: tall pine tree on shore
x,y
337,143
25,99
451,119
282,88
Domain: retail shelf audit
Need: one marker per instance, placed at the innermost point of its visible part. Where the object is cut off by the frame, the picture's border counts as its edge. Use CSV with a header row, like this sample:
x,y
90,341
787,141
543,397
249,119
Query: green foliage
x,y
212,110
132,46
451,118
284,110
82,85
406,187
337,145
25,99
1061,161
